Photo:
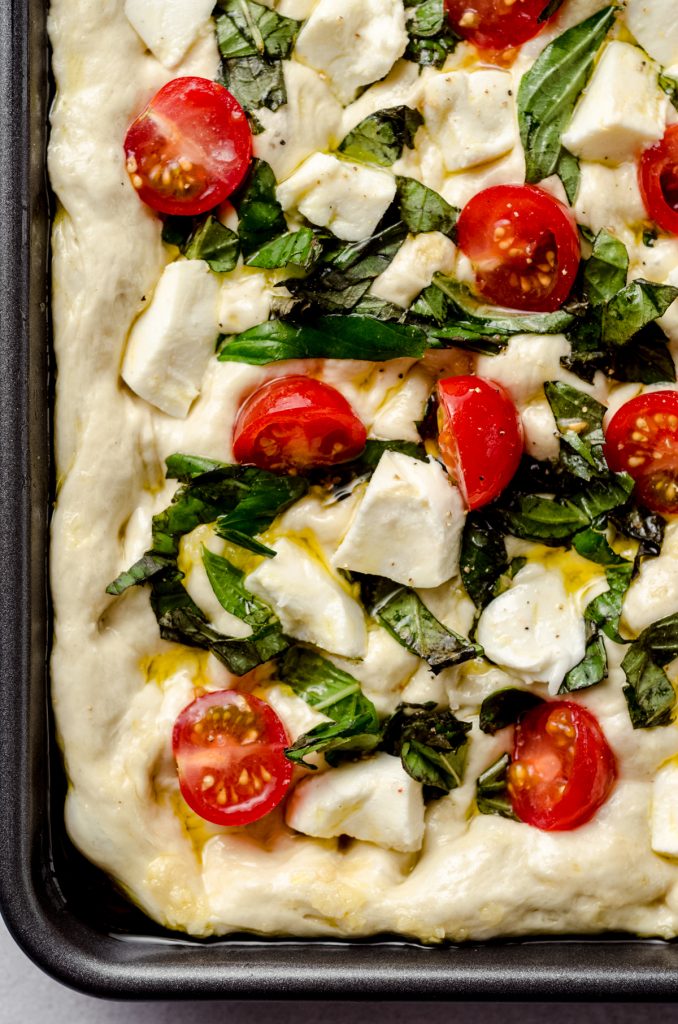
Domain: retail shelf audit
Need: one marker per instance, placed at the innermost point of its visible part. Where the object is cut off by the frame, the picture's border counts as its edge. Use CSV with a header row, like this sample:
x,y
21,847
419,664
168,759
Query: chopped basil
x,y
143,570
649,693
549,90
640,524
670,86
605,270
646,359
203,239
381,137
329,337
233,596
579,419
297,248
590,671
632,308
431,743
186,467
492,796
431,37
490,320
483,557
569,172
544,519
255,83
422,209
266,498
504,707
261,217
401,611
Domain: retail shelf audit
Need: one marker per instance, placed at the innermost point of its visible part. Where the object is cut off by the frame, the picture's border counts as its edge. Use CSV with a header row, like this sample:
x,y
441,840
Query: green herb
x,y
354,725
579,419
590,671
650,236
422,209
606,269
203,239
297,248
463,303
549,90
504,708
381,137
492,796
642,525
329,337
431,37
632,308
670,86
260,214
267,497
432,745
233,596
401,611
483,557
646,359
186,467
544,519
649,693
255,82
568,170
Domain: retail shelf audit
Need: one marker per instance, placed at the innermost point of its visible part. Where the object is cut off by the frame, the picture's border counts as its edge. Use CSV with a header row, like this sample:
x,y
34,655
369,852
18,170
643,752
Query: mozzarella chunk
x,y
471,116
408,525
609,197
384,671
655,26
353,42
349,199
245,300
402,87
527,362
311,605
397,417
535,628
413,266
541,433
664,818
622,109
374,800
168,27
309,121
654,592
172,342
296,715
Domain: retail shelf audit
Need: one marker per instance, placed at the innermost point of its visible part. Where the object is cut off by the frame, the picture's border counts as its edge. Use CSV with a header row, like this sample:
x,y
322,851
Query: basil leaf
x,y
431,37
603,494
590,671
422,209
632,308
186,467
297,248
549,90
649,693
246,29
330,337
504,708
381,137
143,571
670,86
543,519
646,359
483,557
255,83
261,217
404,615
492,320
606,269
568,170
267,497
233,596
432,744
378,309
214,243
605,610
579,419
642,525
335,740
492,796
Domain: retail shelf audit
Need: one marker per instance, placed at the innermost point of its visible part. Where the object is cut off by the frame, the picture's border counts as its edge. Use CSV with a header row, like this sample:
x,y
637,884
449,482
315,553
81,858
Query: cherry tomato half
x,y
523,244
658,178
295,423
563,769
190,148
480,436
496,24
642,439
229,748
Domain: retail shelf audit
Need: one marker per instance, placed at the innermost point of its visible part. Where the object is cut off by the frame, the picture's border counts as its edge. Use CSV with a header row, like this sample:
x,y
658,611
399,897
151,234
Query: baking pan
x,y
63,912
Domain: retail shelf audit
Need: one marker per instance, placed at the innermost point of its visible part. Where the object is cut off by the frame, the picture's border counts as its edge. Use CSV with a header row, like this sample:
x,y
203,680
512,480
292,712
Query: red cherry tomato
x,y
229,748
563,768
496,24
295,423
523,244
658,177
480,436
642,439
190,148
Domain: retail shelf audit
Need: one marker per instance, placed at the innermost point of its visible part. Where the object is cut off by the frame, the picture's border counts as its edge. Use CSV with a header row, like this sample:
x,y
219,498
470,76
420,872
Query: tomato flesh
x,y
642,439
480,436
658,178
295,423
190,148
229,749
563,768
496,24
523,244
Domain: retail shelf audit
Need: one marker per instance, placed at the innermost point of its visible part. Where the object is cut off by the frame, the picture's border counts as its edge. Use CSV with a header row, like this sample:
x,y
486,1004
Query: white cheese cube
x,y
349,199
542,440
396,419
471,116
374,800
245,301
527,362
413,266
655,26
173,340
622,109
311,605
535,629
168,27
664,813
653,594
408,525
353,42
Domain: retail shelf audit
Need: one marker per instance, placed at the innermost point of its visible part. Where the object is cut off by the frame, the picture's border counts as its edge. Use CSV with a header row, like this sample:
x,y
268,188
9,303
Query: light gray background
x,y
27,996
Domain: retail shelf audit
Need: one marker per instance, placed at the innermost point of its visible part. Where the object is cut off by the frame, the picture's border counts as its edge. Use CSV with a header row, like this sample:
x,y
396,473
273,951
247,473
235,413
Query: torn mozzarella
x,y
168,27
655,26
413,266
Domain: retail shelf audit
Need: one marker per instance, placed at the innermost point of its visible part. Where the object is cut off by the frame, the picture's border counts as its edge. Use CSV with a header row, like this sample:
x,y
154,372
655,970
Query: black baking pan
x,y
63,912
